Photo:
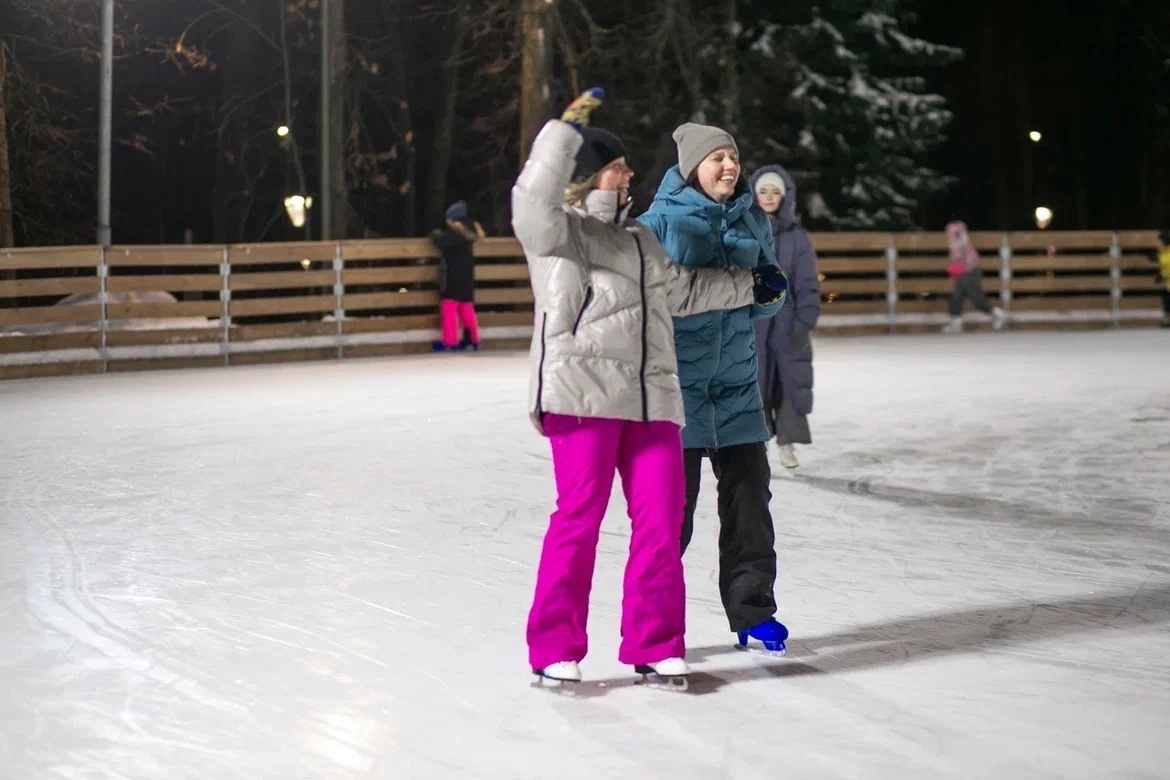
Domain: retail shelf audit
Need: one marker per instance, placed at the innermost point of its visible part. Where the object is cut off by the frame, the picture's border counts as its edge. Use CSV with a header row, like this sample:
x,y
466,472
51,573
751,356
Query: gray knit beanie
x,y
695,142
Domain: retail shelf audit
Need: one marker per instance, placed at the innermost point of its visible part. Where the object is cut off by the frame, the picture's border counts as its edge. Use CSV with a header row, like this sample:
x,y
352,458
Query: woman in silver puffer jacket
x,y
605,390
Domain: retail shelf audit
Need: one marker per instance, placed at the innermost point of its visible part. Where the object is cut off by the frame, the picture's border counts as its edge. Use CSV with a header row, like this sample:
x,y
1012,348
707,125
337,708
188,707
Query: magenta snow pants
x,y
586,452
454,313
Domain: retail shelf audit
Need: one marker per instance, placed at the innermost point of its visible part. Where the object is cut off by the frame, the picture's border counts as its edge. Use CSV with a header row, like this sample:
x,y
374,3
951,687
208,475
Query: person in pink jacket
x,y
967,277
604,389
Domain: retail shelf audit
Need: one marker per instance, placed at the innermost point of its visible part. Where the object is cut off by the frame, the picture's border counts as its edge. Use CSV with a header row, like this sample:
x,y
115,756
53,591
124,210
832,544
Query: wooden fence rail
x,y
67,310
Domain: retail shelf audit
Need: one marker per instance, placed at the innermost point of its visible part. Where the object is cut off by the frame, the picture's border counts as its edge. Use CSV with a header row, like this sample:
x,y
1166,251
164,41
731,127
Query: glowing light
x,y
282,131
297,207
1043,217
1035,136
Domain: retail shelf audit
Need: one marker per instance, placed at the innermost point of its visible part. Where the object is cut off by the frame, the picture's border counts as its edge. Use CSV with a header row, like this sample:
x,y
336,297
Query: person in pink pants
x,y
586,453
457,278
604,389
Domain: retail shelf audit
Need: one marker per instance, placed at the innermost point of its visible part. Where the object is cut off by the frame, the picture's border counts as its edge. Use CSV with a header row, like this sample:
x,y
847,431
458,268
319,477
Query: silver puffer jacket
x,y
605,290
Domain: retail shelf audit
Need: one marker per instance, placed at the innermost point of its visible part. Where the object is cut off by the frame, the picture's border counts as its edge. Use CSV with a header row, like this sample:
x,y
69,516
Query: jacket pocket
x,y
584,306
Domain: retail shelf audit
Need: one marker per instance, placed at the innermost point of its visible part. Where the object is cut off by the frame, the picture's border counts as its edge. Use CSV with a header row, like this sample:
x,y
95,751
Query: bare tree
x,y
50,88
488,106
534,88
443,136
730,68
335,64
7,237
268,54
291,139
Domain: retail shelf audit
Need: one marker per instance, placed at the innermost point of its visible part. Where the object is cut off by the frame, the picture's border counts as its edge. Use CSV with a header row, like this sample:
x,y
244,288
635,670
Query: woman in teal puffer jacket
x,y
705,215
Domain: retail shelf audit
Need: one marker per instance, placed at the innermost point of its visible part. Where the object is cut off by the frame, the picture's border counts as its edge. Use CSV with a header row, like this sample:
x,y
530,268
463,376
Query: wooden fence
x,y
66,310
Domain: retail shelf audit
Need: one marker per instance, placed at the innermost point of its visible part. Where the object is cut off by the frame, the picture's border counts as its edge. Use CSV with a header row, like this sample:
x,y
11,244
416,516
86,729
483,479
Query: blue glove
x,y
771,285
577,114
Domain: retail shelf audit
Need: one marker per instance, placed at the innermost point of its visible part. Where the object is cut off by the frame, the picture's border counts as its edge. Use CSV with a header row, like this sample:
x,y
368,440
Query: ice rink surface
x,y
323,571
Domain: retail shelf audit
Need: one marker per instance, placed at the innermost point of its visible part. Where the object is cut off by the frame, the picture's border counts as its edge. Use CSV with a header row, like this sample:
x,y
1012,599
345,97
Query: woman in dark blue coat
x,y
705,217
783,345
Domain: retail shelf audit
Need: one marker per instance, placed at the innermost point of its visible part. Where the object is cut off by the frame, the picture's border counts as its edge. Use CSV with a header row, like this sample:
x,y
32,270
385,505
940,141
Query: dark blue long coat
x,y
783,347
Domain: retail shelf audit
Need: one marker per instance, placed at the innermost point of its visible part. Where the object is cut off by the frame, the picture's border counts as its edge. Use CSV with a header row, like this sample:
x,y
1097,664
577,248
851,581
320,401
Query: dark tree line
x,y
434,100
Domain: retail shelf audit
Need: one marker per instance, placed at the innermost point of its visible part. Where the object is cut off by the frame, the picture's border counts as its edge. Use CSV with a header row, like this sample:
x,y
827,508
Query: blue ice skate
x,y
771,633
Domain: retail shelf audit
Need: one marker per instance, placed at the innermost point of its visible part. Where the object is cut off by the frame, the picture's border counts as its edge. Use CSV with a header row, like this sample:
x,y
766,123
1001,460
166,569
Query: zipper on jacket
x,y
714,411
722,316
645,326
540,367
584,306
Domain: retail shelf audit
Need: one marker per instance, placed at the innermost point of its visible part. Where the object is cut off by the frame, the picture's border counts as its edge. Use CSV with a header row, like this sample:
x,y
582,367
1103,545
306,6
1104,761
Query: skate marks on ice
x,y
1133,515
698,684
972,631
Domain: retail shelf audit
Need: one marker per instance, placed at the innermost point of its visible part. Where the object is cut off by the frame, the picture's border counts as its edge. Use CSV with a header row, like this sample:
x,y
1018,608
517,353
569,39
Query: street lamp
x,y
1035,136
282,131
297,207
1043,217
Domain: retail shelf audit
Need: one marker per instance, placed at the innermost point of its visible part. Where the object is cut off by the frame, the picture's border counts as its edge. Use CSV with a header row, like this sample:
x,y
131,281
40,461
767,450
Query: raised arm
x,y
538,215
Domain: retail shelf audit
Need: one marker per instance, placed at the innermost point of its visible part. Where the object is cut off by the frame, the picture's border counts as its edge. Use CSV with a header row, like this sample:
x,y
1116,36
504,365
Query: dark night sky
x,y
1081,72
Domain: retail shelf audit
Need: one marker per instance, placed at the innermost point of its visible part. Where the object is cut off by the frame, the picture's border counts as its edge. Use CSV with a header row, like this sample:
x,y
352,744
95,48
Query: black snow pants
x,y
969,287
747,540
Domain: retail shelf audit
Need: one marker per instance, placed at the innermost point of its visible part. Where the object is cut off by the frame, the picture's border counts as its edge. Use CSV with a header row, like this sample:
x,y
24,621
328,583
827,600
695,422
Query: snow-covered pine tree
x,y
859,124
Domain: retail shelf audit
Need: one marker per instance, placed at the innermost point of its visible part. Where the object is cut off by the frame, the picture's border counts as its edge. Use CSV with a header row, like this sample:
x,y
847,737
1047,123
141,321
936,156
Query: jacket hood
x,y
786,217
675,196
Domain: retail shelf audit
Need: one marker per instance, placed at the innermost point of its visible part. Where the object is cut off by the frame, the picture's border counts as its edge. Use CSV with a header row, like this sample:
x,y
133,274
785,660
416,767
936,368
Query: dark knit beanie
x,y
457,212
599,150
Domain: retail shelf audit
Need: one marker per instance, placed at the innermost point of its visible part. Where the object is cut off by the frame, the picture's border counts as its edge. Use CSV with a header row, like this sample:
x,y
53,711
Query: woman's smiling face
x,y
719,173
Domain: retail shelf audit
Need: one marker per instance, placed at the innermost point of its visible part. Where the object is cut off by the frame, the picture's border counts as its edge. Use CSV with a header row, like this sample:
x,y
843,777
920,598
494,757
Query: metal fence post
x,y
225,300
892,283
1115,279
1005,274
339,295
103,272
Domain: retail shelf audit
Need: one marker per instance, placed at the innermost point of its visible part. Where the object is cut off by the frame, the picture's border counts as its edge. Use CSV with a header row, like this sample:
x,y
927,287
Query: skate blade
x,y
676,684
556,685
756,649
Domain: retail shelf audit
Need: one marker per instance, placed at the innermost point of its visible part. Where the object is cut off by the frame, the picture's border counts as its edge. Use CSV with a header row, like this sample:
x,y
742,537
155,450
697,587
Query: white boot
x,y
999,318
954,326
668,674
787,456
565,671
671,667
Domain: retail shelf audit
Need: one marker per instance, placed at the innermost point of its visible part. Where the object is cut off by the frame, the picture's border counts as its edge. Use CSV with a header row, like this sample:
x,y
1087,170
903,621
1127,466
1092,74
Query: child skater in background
x,y
605,391
1162,258
967,278
457,278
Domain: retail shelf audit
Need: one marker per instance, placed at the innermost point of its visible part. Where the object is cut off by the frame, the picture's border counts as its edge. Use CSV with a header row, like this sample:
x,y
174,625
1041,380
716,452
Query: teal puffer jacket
x,y
717,349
